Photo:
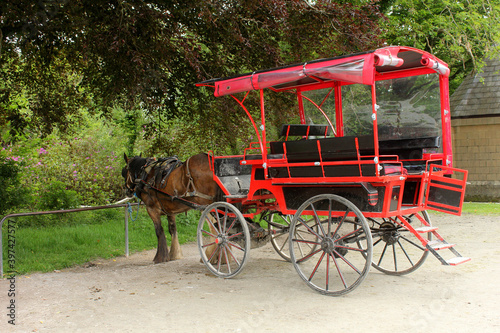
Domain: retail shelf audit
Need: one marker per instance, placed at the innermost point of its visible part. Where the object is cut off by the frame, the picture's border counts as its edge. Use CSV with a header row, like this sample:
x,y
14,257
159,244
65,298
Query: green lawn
x,y
83,237
56,247
481,208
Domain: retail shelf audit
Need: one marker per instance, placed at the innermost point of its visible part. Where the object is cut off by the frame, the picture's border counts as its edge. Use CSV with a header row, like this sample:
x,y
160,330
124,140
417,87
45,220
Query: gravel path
x,y
133,295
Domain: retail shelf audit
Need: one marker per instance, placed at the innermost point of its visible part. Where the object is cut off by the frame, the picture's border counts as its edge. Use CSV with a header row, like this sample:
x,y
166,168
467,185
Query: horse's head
x,y
131,173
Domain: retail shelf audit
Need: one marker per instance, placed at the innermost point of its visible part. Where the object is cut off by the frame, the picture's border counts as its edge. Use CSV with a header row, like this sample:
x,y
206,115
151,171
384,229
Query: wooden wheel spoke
x,y
340,223
208,233
236,246
318,221
347,262
234,257
316,267
339,271
301,221
406,253
413,243
382,255
213,254
308,256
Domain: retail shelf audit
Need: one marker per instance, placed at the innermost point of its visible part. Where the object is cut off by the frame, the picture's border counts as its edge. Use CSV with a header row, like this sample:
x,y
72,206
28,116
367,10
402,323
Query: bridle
x,y
130,183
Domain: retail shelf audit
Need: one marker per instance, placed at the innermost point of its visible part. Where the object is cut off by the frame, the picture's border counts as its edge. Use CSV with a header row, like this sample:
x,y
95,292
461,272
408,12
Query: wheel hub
x,y
332,246
221,240
327,245
390,236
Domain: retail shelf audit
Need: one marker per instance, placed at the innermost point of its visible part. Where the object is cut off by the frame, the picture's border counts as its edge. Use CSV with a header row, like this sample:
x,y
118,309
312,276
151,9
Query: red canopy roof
x,y
359,68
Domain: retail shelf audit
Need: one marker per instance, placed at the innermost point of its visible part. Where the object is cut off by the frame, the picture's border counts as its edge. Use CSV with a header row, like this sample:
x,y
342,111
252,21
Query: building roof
x,y
479,93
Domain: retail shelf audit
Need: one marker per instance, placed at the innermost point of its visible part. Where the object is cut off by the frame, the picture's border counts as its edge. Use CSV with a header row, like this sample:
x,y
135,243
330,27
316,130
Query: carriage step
x,y
235,196
439,245
457,261
424,230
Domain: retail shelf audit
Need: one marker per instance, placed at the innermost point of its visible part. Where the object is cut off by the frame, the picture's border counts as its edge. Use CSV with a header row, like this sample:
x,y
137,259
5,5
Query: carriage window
x,y
409,107
357,109
325,99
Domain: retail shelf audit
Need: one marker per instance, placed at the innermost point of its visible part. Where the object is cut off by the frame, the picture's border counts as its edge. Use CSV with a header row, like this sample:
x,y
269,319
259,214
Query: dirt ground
x,y
133,295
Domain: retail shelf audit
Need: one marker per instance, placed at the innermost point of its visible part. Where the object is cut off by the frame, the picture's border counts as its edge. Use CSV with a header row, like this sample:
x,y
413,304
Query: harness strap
x,y
176,198
193,193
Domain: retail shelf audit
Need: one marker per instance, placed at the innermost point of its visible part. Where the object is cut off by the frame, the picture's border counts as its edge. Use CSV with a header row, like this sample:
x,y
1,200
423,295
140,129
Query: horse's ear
x,y
140,155
125,157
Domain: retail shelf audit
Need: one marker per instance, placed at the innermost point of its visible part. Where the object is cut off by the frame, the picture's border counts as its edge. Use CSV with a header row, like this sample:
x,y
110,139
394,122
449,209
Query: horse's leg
x,y
162,249
175,247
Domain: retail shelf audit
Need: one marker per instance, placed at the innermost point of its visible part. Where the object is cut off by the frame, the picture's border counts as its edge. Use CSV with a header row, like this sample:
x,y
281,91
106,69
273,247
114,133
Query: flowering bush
x,y
82,169
84,165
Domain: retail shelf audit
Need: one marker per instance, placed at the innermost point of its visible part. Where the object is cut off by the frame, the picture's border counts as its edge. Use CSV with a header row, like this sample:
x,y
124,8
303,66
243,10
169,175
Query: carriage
x,y
366,152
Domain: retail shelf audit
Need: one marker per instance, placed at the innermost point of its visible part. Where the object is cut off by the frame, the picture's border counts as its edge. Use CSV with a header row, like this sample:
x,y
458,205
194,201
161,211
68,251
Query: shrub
x,y
56,196
11,192
87,164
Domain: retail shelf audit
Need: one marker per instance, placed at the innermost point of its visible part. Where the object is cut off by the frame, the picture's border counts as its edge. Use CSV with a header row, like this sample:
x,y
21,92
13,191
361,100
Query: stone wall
x,y
476,148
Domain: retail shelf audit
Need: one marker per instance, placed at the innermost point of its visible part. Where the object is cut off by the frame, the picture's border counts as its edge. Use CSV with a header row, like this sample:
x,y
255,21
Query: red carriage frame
x,y
281,175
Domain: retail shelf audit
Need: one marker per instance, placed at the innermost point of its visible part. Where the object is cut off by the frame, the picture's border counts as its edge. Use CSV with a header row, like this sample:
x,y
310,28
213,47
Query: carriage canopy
x,y
362,68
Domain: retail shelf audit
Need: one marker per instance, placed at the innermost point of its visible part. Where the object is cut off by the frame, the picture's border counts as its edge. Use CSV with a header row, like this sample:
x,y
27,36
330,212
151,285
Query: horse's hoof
x,y
159,261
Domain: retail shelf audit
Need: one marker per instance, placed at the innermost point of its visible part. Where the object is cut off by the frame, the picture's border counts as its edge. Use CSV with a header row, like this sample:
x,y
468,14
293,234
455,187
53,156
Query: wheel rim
x,y
223,239
343,255
396,250
279,226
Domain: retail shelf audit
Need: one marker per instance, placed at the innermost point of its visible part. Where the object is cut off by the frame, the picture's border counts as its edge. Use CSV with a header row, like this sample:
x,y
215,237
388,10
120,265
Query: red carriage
x,y
348,185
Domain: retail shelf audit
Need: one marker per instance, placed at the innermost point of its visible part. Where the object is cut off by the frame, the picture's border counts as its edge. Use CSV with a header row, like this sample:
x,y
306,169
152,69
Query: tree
x,y
63,55
461,33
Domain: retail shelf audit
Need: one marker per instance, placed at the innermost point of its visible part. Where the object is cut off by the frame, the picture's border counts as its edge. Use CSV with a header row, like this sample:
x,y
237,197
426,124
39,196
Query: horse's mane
x,y
136,163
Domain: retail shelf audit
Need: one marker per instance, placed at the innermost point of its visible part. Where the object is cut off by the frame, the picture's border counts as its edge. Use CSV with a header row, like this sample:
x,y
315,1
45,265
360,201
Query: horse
x,y
168,186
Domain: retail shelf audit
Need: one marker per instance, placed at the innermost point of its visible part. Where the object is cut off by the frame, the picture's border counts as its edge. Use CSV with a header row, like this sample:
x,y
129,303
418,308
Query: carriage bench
x,y
408,151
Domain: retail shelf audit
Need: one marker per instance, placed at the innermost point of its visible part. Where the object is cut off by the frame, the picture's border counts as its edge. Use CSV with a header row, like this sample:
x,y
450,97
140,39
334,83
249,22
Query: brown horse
x,y
169,187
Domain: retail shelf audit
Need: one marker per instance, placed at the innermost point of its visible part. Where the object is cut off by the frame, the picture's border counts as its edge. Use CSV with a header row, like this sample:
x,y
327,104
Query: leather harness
x,y
163,167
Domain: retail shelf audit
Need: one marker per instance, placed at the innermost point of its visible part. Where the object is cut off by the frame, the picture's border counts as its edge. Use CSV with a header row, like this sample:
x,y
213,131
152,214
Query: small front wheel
x,y
223,239
336,227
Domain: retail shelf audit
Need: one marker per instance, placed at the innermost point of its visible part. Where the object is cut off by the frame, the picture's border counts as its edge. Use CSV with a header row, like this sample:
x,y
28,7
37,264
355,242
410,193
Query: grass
x,y
55,247
82,237
481,208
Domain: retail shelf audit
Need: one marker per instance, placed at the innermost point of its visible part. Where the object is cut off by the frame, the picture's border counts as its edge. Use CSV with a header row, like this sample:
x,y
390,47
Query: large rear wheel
x,y
337,228
223,239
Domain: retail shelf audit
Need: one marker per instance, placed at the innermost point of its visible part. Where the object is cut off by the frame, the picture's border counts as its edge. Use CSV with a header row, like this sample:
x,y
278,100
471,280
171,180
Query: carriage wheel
x,y
338,265
223,239
279,226
396,250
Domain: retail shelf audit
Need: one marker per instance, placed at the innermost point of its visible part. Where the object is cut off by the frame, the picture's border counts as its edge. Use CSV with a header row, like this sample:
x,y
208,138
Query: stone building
x,y
475,121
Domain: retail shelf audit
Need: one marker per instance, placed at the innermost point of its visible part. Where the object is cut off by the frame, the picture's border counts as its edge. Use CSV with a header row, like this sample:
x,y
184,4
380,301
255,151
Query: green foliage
x,y
461,33
11,192
58,166
56,196
64,56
